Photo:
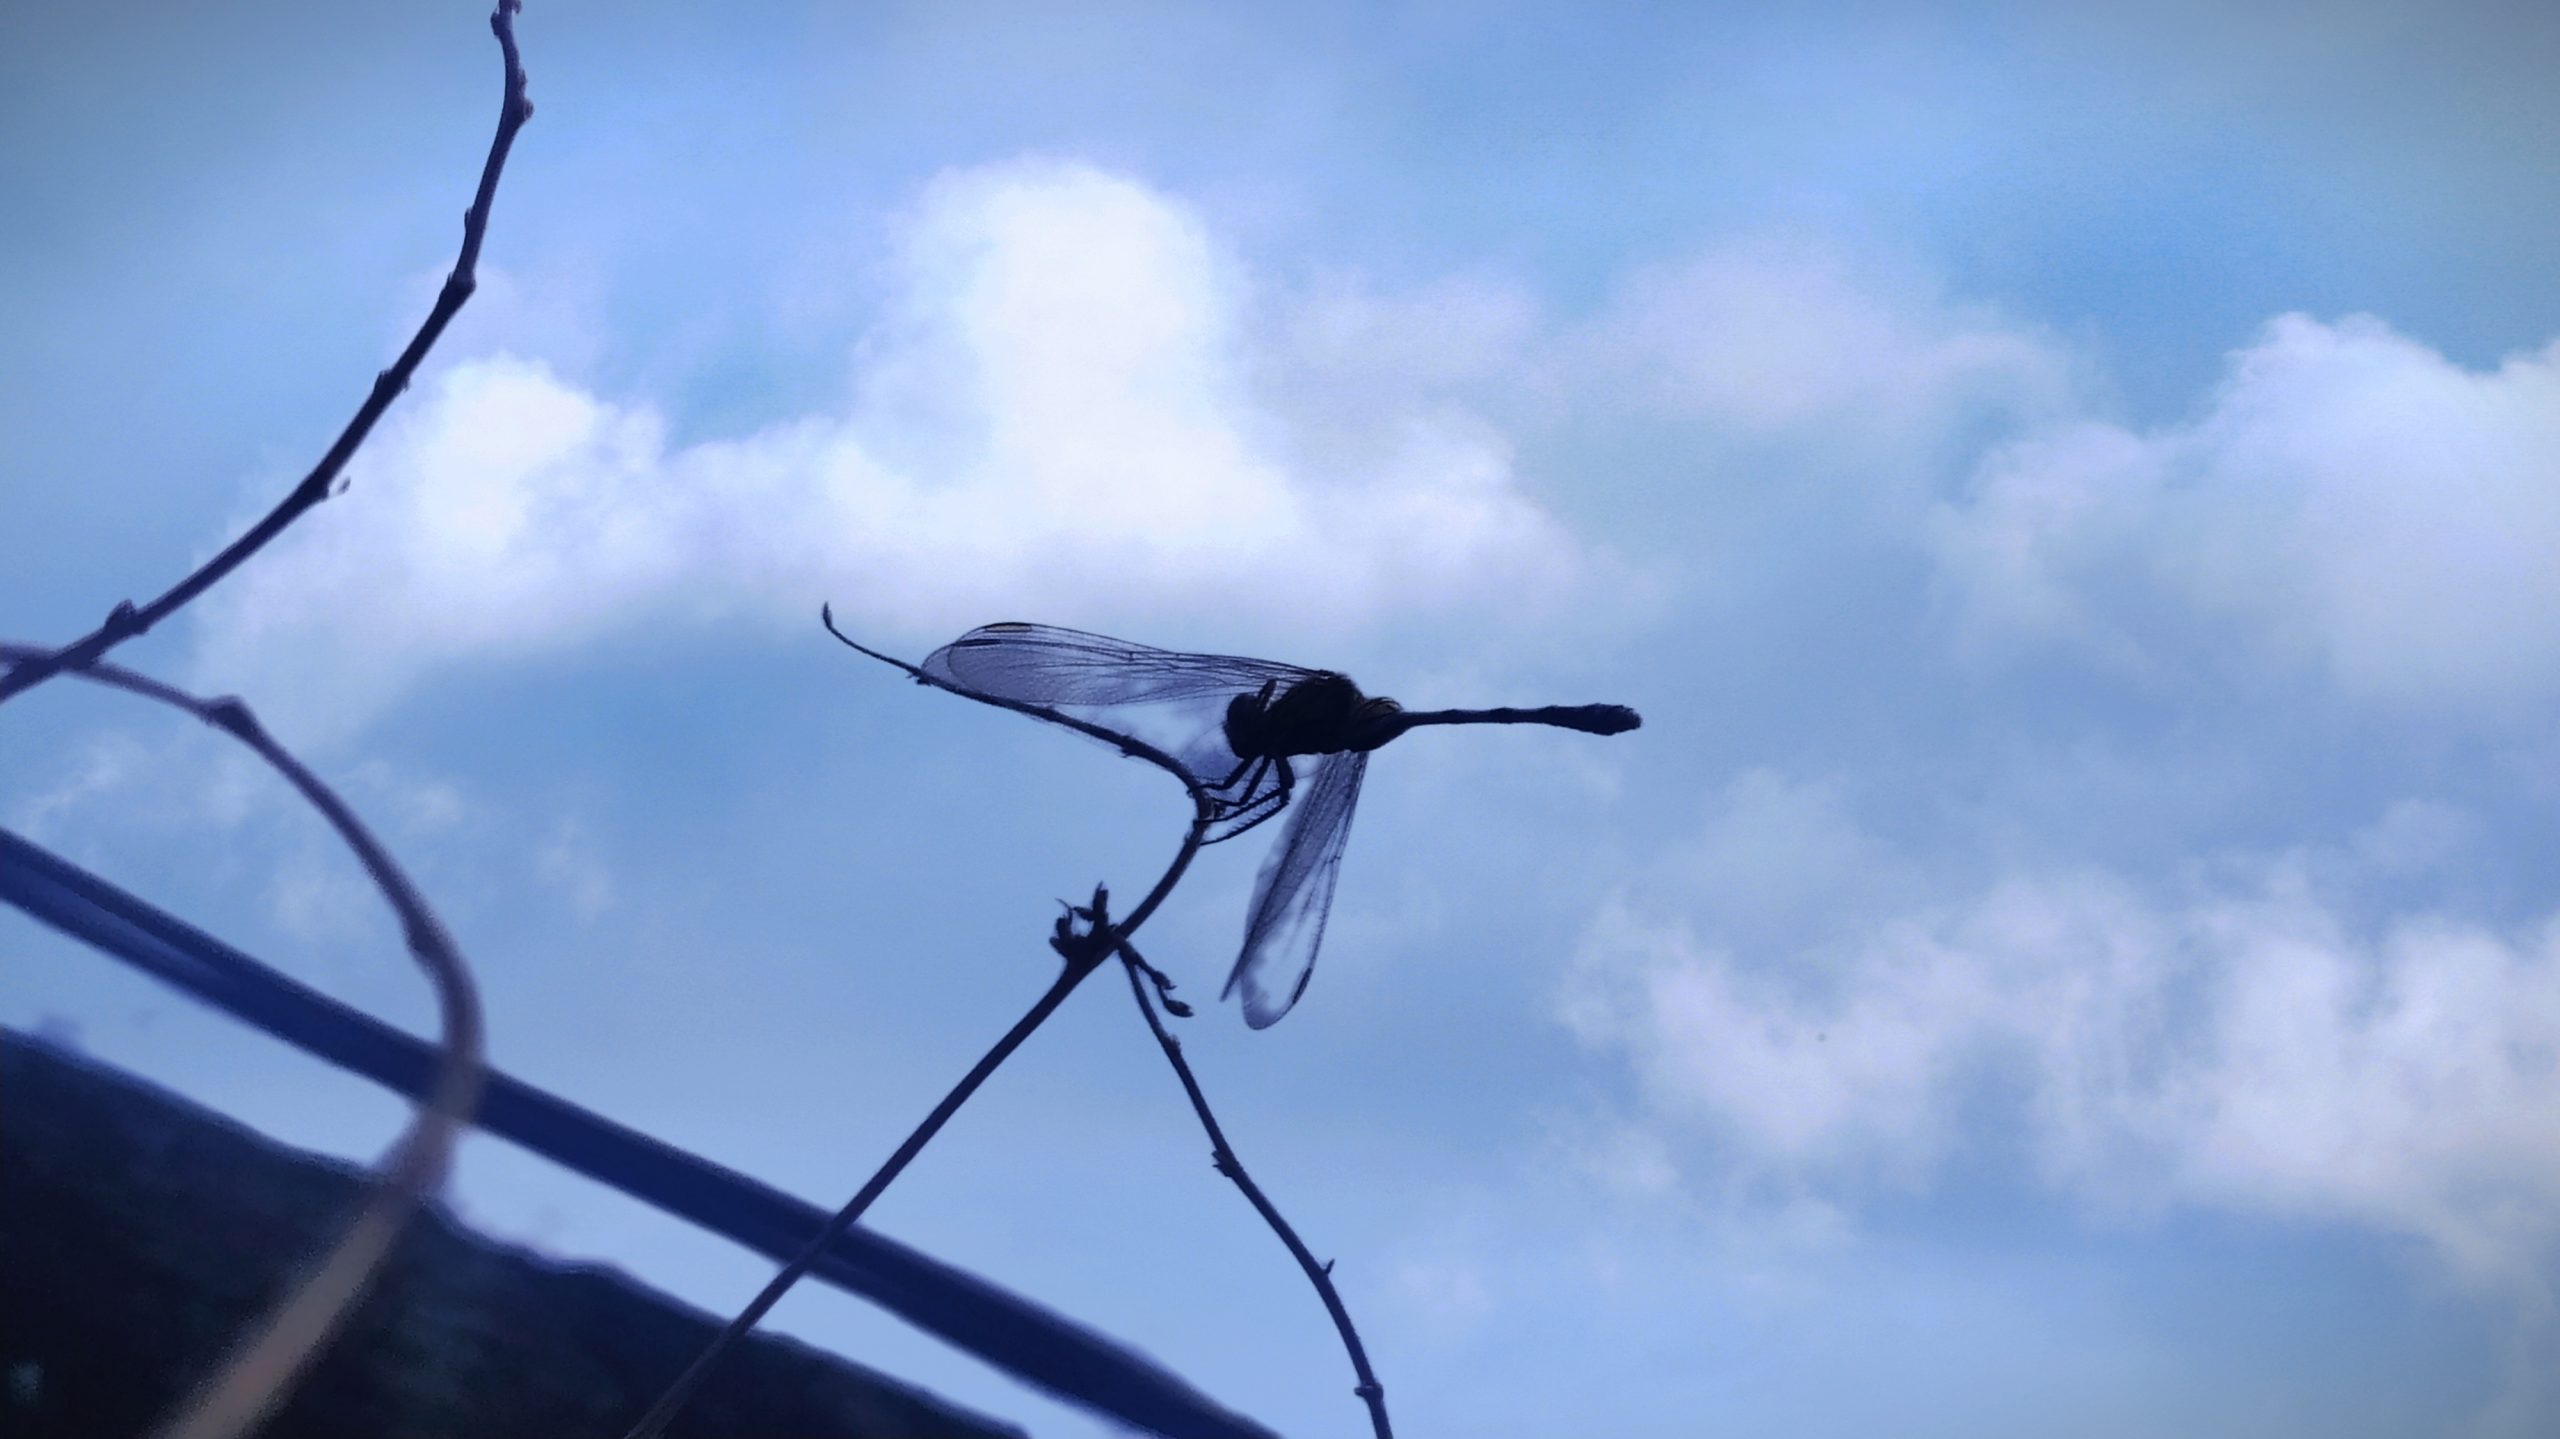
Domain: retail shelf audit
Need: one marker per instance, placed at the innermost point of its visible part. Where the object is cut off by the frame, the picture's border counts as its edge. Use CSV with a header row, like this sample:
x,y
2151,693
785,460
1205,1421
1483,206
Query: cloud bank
x,y
1069,412
1807,1012
2351,505
1798,343
2240,1038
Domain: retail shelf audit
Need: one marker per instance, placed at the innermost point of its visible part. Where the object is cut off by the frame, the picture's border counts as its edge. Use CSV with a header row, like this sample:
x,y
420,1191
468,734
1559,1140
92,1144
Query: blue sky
x,y
2071,950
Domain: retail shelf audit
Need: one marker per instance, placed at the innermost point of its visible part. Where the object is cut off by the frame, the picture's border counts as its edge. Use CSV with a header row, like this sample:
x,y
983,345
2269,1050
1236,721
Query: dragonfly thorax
x,y
1324,713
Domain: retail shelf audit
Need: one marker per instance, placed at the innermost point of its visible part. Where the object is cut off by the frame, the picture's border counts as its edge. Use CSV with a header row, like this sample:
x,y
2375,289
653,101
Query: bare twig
x,y
1221,1154
261,1370
126,621
1081,954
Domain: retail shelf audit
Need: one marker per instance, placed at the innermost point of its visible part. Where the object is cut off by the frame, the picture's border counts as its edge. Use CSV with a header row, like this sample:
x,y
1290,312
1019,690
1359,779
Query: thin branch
x,y
1082,954
126,621
1371,1392
262,1370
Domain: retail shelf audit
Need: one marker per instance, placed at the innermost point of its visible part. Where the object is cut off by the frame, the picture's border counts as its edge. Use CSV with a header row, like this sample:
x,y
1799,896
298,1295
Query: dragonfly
x,y
1236,731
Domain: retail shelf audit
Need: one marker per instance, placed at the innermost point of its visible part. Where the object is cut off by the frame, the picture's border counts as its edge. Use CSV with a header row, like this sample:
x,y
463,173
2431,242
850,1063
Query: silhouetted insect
x,y
1230,728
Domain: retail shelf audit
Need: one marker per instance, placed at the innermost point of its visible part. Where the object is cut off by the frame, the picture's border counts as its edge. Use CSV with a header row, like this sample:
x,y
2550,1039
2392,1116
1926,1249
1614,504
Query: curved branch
x,y
1371,1392
126,620
260,1371
1034,1343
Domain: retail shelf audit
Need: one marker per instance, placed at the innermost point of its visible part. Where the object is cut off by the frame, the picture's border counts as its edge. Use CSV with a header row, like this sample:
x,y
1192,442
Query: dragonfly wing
x,y
1173,702
1046,665
1285,926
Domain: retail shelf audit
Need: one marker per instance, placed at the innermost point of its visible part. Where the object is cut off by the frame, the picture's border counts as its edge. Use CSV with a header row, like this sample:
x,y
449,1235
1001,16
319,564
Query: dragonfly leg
x,y
1238,787
1244,817
1236,775
1244,814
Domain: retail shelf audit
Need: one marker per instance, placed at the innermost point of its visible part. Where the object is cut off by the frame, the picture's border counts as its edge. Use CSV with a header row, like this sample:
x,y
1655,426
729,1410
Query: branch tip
x,y
1222,1157
127,622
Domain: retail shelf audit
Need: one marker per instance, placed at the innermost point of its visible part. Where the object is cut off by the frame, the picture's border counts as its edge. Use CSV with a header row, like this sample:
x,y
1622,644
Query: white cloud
x,y
1791,341
1447,1295
1069,413
106,764
1778,856
2402,1079
1626,1159
2351,501
570,863
2235,1040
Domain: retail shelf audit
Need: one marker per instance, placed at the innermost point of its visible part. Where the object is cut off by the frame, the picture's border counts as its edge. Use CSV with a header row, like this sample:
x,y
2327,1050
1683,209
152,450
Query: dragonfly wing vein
x,y
1284,928
1043,664
1171,701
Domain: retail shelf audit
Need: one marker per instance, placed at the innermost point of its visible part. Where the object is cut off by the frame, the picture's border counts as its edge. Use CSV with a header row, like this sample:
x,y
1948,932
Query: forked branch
x,y
1080,955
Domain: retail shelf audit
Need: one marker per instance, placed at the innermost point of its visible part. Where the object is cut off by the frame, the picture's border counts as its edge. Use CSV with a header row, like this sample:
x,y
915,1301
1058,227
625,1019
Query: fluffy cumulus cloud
x,y
2351,504
1077,404
2242,1038
1797,343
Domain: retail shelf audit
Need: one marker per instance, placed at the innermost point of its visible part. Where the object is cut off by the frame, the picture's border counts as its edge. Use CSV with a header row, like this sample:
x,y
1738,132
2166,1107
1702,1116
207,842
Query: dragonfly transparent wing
x,y
1173,701
1285,926
1043,664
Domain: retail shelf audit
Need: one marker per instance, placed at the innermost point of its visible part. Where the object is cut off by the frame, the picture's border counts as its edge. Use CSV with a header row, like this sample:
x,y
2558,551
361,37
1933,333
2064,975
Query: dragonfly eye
x,y
1244,725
